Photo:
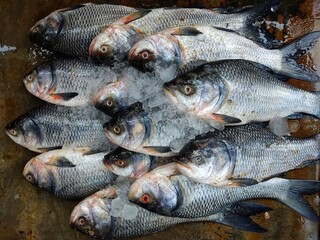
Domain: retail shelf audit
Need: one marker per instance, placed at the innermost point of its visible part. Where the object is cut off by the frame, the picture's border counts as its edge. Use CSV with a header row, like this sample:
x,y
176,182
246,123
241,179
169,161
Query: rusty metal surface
x,y
29,213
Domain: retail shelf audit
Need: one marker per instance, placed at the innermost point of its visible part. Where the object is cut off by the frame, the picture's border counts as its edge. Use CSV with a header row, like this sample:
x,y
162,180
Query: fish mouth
x,y
107,165
184,165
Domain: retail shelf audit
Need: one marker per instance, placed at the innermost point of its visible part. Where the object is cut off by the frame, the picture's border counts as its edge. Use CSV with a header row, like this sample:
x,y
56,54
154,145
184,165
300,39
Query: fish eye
x,y
145,55
13,132
81,221
119,163
145,198
104,48
198,159
30,77
109,102
188,90
29,178
117,129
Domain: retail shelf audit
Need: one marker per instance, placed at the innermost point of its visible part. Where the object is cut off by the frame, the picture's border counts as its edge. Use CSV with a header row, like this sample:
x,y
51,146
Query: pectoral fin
x,y
225,119
134,16
46,149
63,96
60,161
157,149
186,31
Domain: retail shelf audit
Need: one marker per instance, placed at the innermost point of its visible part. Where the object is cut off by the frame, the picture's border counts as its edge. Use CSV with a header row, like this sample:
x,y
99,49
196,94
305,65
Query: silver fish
x,y
68,82
188,47
156,131
177,196
69,173
244,152
71,30
114,42
131,164
51,126
93,216
222,93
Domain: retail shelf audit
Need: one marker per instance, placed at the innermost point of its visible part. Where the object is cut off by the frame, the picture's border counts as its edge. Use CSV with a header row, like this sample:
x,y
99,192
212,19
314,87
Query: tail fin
x,y
238,216
297,202
255,15
293,51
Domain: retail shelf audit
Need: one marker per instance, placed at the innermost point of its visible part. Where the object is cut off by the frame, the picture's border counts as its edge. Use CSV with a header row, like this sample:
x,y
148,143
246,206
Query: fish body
x,y
69,173
68,82
188,47
131,164
93,216
154,131
114,42
177,196
245,152
51,126
223,92
70,31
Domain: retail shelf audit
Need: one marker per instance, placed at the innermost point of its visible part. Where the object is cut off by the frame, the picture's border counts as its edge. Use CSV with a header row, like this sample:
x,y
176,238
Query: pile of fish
x,y
161,117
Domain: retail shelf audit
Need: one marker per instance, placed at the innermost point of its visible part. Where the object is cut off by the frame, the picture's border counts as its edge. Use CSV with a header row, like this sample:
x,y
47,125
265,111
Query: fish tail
x,y
238,216
255,15
295,200
293,51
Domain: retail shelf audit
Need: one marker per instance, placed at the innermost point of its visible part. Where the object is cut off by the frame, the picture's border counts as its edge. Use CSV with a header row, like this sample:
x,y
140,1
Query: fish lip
x,y
182,164
167,90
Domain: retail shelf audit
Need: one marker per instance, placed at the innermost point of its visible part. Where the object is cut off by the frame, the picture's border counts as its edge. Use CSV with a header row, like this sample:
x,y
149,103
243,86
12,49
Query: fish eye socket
x,y
198,159
109,102
188,90
29,178
82,221
145,198
104,48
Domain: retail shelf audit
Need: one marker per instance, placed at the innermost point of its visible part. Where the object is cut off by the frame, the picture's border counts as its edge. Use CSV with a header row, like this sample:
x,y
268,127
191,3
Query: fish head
x,y
156,51
46,31
40,81
126,163
197,93
92,215
112,44
24,131
155,192
207,159
111,98
129,128
39,174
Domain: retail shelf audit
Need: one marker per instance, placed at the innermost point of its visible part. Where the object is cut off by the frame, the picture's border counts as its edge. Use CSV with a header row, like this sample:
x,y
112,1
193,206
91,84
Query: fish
x,y
71,173
185,48
93,216
50,126
177,196
244,152
115,41
155,131
68,82
131,164
222,93
69,31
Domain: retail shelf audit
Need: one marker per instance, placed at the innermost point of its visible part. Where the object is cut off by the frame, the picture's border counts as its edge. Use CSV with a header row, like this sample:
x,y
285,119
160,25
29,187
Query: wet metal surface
x,y
29,213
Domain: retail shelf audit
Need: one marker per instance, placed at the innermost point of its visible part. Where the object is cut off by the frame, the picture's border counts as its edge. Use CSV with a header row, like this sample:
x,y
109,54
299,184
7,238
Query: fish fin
x,y
242,182
64,96
185,31
59,161
157,149
134,16
169,169
249,208
293,51
295,116
254,16
46,149
177,144
225,119
244,223
295,200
